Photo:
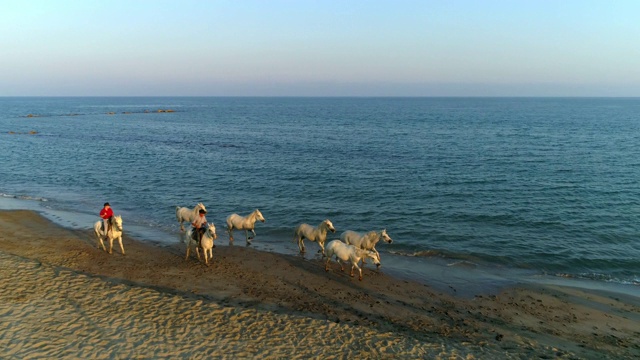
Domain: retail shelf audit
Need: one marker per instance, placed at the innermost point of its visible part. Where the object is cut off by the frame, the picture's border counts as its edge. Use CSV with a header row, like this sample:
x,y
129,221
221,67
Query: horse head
x,y
385,237
373,256
329,225
211,229
200,206
259,215
116,222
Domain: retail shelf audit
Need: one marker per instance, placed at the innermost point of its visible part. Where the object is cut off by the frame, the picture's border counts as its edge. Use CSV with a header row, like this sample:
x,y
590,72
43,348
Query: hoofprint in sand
x,y
62,297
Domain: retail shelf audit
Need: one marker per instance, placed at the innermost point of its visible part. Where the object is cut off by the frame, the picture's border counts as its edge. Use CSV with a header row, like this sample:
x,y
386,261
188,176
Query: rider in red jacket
x,y
106,213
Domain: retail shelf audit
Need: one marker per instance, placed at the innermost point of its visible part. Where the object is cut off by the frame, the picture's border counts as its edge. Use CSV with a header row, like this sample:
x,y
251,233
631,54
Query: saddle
x,y
196,234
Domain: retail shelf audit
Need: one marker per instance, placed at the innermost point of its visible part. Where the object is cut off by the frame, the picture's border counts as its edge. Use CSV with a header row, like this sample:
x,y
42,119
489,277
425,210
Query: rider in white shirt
x,y
199,225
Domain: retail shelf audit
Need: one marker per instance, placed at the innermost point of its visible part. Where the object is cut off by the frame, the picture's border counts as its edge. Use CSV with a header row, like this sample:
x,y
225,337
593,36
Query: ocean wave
x,y
121,111
463,263
634,280
24,197
420,253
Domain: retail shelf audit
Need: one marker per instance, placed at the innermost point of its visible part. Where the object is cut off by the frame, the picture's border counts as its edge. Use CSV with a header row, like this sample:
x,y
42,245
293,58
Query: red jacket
x,y
106,213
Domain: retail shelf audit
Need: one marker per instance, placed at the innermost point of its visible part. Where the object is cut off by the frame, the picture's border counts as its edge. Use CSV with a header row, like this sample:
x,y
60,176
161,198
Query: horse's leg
x,y
230,231
301,243
99,236
321,243
110,244
364,257
121,247
198,252
254,233
188,248
355,264
326,264
181,226
377,253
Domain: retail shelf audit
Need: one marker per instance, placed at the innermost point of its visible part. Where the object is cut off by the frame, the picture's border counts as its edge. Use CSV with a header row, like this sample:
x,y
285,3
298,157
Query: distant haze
x,y
320,48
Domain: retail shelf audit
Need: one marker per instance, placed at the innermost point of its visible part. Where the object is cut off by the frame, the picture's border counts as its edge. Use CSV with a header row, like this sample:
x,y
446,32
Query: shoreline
x,y
454,277
252,303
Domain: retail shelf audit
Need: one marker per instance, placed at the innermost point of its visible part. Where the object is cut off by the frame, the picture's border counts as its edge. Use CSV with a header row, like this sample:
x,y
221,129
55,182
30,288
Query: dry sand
x,y
62,297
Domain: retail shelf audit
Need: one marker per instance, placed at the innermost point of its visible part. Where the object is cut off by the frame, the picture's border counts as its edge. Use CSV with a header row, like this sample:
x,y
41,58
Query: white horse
x,y
246,223
349,253
317,234
114,233
185,214
367,241
206,243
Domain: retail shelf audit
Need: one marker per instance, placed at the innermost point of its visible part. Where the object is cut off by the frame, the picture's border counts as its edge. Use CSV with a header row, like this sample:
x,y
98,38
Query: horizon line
x,y
332,96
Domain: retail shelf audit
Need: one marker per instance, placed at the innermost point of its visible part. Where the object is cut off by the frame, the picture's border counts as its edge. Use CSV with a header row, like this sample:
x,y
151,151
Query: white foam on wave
x,y
421,253
24,197
463,263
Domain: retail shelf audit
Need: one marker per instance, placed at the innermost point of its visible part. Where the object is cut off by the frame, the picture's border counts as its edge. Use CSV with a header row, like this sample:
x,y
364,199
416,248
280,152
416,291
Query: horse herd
x,y
352,246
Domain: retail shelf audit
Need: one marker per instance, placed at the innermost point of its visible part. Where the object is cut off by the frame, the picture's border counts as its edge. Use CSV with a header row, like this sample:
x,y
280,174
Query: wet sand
x,y
62,297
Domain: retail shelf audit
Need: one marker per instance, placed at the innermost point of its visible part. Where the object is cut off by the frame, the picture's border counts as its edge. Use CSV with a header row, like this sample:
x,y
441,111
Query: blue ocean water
x,y
544,184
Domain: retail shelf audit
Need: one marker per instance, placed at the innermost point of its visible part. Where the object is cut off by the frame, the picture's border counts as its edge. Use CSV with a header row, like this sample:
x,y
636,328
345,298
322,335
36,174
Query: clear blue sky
x,y
320,48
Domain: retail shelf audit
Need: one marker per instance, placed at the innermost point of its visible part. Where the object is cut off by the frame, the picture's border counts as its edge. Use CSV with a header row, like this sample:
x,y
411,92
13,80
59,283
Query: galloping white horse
x,y
367,241
319,234
349,253
184,214
206,243
114,233
246,223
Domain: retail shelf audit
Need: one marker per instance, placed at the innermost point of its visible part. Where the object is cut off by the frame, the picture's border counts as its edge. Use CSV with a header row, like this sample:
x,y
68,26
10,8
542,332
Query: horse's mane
x,y
372,233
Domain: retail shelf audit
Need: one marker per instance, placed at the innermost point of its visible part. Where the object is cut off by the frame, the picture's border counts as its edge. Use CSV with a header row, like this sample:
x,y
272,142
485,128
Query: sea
x,y
473,191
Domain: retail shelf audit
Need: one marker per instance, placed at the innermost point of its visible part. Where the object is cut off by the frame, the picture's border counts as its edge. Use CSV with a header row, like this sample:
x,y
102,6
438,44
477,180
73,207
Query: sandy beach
x,y
62,297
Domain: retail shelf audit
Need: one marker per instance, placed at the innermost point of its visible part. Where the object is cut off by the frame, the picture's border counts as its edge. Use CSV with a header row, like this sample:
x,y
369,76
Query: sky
x,y
320,48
